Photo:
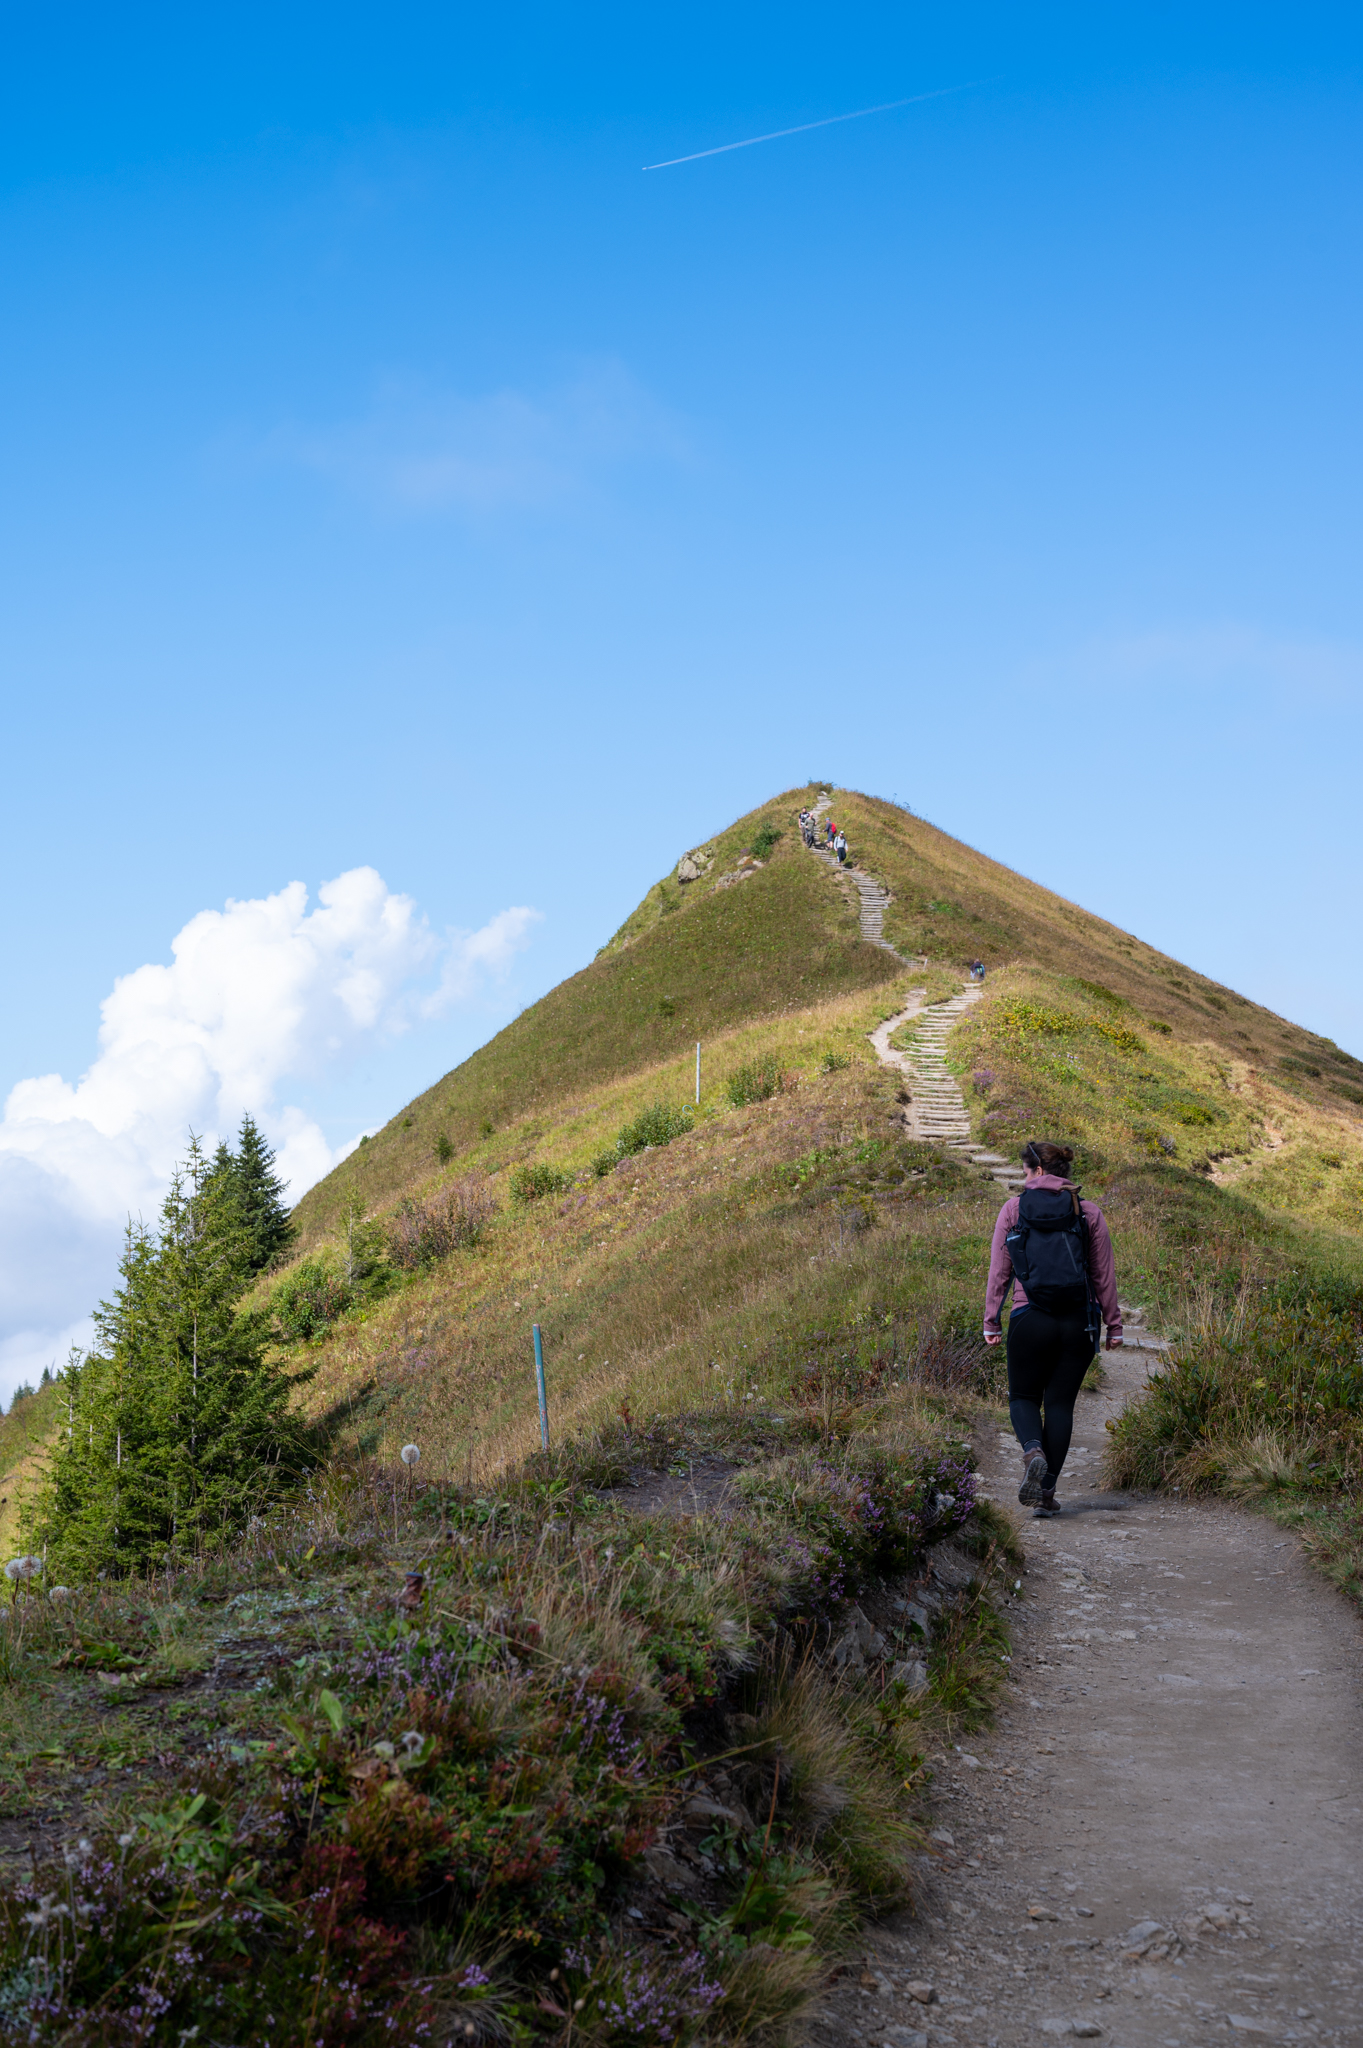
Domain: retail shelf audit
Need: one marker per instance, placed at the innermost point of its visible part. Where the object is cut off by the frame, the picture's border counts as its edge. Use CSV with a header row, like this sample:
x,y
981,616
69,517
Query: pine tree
x,y
248,1177
177,1428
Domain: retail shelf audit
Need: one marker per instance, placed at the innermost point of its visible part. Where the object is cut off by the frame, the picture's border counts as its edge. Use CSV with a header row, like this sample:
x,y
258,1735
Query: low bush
x,y
532,1183
453,1218
307,1301
857,1512
1264,1388
756,1081
659,1124
764,839
834,1062
429,1825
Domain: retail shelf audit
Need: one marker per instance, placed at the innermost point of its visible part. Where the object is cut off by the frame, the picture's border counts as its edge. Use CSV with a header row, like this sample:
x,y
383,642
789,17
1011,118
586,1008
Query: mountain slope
x,y
739,1247
694,960
540,1679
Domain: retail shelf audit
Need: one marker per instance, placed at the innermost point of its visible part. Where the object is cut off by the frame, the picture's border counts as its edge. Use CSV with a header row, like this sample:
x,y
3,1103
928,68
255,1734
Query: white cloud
x,y
258,994
418,451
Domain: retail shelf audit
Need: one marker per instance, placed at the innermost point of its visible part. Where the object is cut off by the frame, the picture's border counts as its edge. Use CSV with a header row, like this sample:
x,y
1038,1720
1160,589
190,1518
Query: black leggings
x,y
1047,1359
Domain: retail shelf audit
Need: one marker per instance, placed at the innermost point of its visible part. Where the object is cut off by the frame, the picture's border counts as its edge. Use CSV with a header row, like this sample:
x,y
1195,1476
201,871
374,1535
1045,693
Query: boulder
x,y
668,1870
859,1642
701,1807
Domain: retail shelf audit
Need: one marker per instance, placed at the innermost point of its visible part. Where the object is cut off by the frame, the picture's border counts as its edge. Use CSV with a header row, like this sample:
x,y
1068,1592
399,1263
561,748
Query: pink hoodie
x,y
1102,1270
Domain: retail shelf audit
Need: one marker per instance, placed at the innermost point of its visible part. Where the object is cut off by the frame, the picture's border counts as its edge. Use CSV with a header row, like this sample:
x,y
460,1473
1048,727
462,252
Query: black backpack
x,y
1049,1248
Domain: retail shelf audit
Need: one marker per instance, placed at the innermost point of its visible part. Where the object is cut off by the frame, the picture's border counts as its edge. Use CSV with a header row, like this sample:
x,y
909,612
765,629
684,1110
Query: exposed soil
x,y
1159,1844
702,1490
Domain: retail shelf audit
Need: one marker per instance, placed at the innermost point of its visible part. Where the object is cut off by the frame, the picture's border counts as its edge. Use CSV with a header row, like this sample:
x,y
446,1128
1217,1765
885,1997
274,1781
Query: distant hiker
x,y
840,848
831,831
1056,1254
977,970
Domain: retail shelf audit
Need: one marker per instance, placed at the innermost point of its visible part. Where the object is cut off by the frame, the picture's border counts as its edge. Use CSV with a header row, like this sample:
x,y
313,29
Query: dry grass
x,y
784,940
954,905
663,1283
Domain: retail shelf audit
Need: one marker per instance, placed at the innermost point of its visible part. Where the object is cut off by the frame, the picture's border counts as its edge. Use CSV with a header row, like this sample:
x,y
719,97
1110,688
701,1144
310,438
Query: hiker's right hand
x,y
993,1336
1113,1343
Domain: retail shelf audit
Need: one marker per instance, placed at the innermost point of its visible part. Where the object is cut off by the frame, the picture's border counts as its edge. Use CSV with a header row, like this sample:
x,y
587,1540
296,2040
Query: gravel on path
x,y
1157,1845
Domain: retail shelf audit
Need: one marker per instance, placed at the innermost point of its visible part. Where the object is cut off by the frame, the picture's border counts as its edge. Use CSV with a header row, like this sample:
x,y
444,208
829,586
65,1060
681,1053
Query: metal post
x,y
541,1389
697,1073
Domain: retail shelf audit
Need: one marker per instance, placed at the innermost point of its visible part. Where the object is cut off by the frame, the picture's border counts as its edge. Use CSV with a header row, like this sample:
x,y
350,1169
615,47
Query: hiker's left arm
x,y
1103,1273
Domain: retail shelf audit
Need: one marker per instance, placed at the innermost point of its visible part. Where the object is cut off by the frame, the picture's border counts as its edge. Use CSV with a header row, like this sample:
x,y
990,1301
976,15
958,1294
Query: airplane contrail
x,y
830,121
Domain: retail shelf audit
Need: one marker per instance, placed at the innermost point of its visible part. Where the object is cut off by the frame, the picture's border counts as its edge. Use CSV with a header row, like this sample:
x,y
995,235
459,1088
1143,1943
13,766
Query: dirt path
x,y
1159,1843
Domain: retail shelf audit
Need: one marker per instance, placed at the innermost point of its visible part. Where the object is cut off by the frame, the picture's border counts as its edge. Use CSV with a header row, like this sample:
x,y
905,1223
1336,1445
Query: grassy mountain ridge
x,y
782,939
682,1259
693,960
953,904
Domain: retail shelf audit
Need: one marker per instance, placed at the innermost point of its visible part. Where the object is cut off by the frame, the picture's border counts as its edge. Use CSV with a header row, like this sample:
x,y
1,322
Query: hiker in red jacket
x,y
1055,1252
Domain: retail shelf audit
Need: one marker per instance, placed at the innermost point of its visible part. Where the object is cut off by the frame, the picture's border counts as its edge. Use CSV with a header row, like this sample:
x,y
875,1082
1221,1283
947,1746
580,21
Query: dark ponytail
x,y
1038,1156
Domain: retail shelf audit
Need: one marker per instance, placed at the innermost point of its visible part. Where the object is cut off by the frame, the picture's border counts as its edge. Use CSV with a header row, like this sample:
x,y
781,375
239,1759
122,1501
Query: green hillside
x,y
693,1255
694,960
687,964
552,1736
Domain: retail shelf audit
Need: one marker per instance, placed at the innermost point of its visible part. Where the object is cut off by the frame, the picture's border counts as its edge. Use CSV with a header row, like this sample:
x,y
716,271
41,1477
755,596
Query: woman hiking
x,y
1055,1252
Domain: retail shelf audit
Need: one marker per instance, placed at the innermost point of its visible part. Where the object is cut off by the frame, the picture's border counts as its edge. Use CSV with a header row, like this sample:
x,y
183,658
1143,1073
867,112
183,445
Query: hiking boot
x,y
1030,1489
1047,1506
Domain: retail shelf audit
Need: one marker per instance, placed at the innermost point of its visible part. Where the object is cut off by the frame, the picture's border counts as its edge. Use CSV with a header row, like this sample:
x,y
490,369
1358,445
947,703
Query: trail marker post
x,y
540,1388
697,1073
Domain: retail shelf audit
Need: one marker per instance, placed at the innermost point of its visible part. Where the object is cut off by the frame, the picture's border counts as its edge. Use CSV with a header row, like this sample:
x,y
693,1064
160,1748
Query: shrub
x,y
454,1217
1121,1037
1195,1113
1281,1363
755,1080
531,1183
1101,991
308,1301
659,1124
856,1512
444,1148
764,839
833,1062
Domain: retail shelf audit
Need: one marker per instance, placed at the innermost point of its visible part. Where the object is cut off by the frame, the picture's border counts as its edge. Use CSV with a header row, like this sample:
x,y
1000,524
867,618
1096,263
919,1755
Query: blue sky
x,y
399,478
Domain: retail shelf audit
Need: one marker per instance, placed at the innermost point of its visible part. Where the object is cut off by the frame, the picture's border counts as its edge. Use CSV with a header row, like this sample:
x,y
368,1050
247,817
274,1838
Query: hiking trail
x,y
936,1108
1156,1843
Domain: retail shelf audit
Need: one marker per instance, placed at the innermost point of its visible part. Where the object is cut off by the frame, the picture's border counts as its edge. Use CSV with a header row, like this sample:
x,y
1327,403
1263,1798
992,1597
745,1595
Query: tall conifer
x,y
248,1177
176,1427
264,1211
